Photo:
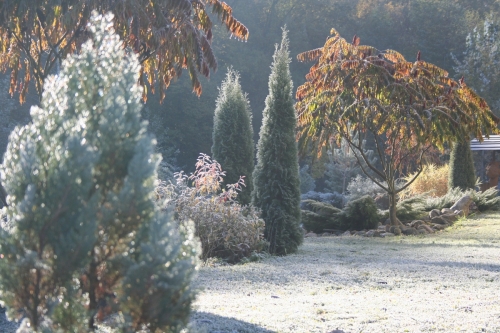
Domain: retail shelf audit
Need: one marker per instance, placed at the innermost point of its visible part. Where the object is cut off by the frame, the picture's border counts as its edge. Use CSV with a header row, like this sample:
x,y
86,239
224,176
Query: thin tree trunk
x,y
93,283
36,301
3,195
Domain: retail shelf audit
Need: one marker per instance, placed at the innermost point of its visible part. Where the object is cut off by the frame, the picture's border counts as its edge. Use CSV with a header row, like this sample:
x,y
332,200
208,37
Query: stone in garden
x,y
415,224
395,229
438,220
439,226
410,231
370,233
446,211
450,218
422,231
326,234
434,213
378,233
462,204
360,233
387,234
310,234
347,233
426,228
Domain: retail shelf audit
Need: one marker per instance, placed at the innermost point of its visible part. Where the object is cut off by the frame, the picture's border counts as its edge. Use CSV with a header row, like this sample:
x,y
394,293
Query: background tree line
x,y
183,123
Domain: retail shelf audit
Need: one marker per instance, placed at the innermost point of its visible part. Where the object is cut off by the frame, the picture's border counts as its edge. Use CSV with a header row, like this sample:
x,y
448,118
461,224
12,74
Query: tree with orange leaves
x,y
405,107
167,35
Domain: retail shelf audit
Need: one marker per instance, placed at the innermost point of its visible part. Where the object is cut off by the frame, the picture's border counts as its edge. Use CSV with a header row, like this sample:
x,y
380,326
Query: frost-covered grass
x,y
446,282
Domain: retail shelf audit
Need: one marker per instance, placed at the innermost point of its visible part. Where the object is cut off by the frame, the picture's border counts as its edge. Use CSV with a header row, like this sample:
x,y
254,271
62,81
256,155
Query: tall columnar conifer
x,y
276,176
82,236
462,172
233,135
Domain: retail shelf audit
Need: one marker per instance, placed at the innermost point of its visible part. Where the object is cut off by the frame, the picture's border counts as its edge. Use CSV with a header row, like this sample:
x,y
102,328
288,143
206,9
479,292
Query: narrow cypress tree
x,y
233,135
276,176
83,236
462,172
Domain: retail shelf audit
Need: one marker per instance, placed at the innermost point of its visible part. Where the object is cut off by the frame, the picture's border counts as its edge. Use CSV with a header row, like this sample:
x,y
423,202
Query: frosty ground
x,y
445,282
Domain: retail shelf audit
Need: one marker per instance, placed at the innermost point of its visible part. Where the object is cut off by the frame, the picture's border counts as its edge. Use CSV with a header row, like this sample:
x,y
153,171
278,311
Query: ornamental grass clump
x,y
226,229
433,181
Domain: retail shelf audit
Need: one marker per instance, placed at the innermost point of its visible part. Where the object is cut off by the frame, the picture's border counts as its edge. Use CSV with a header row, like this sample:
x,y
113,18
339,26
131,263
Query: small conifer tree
x,y
462,172
83,237
233,135
307,182
276,176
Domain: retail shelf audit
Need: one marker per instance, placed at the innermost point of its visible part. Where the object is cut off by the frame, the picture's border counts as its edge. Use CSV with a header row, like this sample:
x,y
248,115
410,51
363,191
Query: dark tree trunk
x,y
93,283
392,208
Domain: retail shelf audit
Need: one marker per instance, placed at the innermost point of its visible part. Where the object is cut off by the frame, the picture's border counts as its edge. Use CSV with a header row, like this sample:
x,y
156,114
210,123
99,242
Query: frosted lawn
x,y
446,282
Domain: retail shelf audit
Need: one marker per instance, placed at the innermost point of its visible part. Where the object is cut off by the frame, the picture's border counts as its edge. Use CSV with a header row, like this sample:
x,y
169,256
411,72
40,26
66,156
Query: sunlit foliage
x,y
84,237
405,107
167,35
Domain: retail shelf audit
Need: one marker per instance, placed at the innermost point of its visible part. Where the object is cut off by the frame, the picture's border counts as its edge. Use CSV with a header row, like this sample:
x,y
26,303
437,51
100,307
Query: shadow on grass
x,y
456,264
211,323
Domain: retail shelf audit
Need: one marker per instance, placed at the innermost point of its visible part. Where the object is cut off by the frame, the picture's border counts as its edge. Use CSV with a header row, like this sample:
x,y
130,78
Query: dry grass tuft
x,y
433,180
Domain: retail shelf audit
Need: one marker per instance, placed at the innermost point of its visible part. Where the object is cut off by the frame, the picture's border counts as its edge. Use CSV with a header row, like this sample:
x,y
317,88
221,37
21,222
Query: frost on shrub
x,y
226,229
84,239
335,199
361,186
408,209
487,200
359,214
318,216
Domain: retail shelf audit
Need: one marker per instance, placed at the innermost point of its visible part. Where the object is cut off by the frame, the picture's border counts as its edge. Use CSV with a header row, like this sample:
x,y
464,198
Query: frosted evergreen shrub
x,y
335,199
360,186
232,136
487,200
412,208
359,214
318,216
276,176
84,238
